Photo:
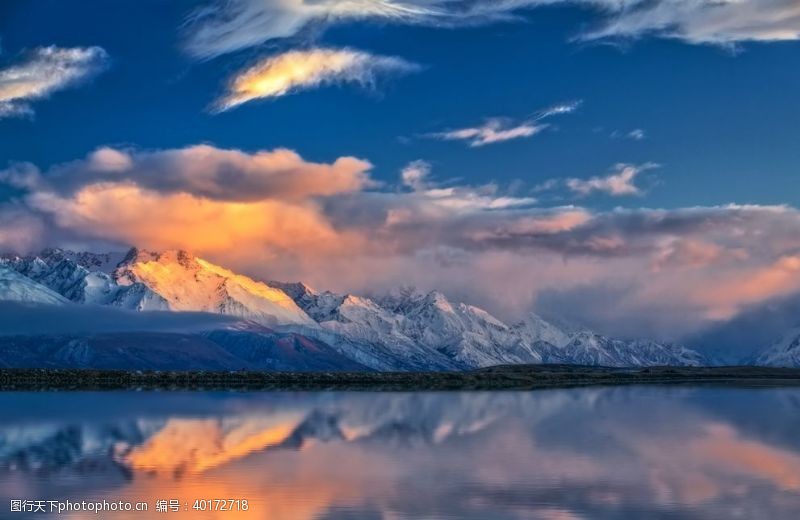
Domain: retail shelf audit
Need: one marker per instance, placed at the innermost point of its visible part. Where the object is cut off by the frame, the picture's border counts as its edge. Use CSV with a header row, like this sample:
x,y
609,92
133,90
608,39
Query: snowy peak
x,y
783,353
295,290
142,259
419,326
415,325
102,262
32,265
188,283
84,278
18,288
535,328
438,301
157,280
588,348
401,298
465,333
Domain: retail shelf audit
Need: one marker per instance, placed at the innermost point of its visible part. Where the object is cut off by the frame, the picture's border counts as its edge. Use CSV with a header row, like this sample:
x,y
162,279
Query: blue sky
x,y
698,102
722,124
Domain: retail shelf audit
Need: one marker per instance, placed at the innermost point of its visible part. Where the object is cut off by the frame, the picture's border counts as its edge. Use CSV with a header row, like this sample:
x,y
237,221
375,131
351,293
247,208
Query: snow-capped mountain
x,y
403,330
464,333
18,288
783,353
430,327
188,283
144,280
85,278
587,348
536,329
357,325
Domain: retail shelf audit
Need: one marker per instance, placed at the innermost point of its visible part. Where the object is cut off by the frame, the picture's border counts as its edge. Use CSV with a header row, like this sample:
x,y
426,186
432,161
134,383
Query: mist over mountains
x,y
173,310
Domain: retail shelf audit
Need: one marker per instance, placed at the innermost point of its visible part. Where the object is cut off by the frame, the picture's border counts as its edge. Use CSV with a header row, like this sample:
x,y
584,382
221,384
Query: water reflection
x,y
571,454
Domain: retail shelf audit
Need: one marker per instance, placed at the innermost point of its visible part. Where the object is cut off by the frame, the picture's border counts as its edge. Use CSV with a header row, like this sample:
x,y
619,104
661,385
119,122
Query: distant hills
x,y
286,326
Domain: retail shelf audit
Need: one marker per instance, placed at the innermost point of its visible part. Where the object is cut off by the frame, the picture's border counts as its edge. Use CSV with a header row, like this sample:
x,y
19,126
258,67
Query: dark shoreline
x,y
524,377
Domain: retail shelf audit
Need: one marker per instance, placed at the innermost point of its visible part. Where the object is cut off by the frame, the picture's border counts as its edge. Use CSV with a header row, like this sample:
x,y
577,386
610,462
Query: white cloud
x,y
617,184
432,200
467,198
237,24
415,173
493,130
21,176
637,134
107,159
292,71
560,109
44,71
497,129
718,22
223,27
15,110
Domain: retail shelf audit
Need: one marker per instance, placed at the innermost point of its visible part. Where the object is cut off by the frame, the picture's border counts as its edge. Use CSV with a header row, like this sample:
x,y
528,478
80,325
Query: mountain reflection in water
x,y
610,453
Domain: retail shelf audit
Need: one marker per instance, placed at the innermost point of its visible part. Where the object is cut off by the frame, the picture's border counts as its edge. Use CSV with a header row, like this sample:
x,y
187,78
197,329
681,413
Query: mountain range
x,y
290,326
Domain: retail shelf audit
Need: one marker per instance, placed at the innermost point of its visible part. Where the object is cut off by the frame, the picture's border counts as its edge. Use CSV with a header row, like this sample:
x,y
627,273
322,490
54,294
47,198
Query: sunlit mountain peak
x,y
189,283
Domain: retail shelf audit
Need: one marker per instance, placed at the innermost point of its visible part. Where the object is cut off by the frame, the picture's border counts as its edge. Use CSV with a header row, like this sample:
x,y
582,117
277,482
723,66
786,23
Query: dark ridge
x,y
518,377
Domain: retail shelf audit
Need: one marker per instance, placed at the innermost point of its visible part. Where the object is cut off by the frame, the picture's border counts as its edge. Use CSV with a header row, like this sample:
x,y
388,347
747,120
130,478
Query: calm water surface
x,y
611,453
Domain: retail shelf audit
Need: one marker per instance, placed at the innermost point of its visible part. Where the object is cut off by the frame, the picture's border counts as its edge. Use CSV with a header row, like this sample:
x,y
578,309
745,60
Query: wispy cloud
x,y
493,130
44,71
292,71
702,21
637,134
497,129
432,197
619,183
227,26
559,109
415,173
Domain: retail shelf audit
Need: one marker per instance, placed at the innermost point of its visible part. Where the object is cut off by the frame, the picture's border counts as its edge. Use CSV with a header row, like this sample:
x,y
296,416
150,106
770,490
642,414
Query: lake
x,y
655,452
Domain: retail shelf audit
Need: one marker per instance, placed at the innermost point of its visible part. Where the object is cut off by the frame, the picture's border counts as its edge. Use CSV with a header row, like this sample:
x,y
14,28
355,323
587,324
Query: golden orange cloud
x,y
302,69
134,215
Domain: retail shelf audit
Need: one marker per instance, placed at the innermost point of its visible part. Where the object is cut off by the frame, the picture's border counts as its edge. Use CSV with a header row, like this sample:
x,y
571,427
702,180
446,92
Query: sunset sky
x,y
628,164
